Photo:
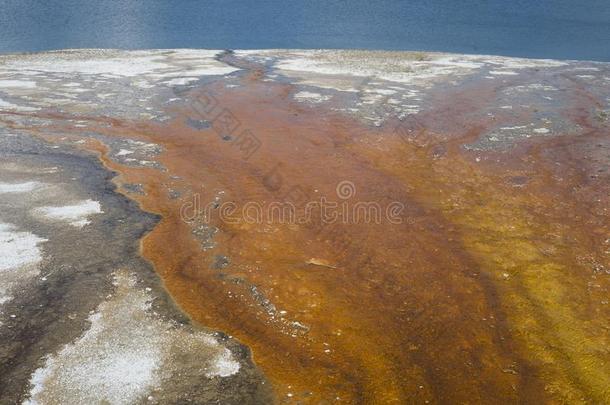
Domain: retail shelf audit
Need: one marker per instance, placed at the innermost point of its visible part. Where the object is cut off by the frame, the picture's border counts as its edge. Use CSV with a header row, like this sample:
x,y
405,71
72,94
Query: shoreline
x,y
481,253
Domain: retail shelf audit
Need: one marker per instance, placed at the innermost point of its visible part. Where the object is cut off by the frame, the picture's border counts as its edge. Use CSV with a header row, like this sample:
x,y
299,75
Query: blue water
x,y
568,29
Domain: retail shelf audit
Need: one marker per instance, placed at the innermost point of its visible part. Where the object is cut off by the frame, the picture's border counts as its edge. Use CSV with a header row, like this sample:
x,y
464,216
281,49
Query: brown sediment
x,y
483,293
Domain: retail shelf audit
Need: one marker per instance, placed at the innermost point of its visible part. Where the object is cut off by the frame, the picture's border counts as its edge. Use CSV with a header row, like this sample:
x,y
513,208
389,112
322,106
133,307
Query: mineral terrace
x,y
136,267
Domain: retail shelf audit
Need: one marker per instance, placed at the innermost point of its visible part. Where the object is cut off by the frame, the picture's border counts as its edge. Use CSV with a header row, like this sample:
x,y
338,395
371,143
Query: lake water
x,y
565,29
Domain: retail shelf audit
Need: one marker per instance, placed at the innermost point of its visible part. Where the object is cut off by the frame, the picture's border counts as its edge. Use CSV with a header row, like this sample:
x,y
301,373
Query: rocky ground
x,y
133,271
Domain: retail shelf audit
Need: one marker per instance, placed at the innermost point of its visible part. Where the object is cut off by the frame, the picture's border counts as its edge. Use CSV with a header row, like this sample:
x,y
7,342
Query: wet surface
x,y
86,272
490,284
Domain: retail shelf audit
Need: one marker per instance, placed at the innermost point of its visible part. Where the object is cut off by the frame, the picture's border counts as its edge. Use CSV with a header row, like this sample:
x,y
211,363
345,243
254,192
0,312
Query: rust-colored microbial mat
x,y
463,255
